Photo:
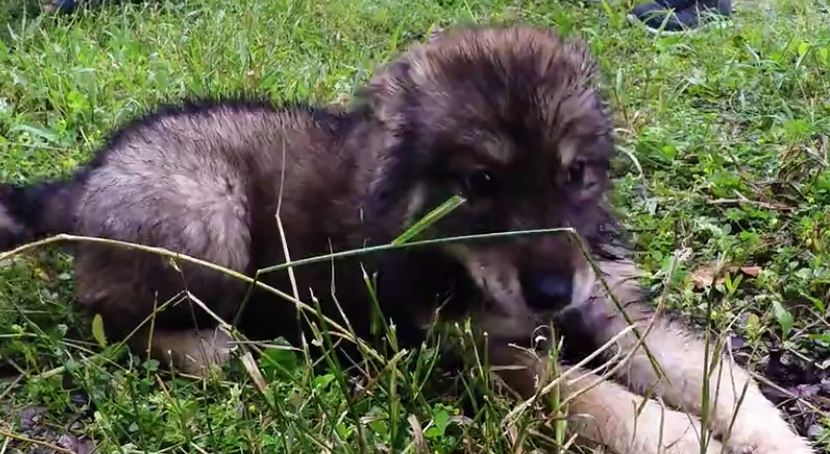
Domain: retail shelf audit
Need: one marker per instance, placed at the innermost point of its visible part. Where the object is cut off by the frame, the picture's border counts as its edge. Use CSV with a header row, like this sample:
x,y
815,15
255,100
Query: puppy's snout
x,y
547,291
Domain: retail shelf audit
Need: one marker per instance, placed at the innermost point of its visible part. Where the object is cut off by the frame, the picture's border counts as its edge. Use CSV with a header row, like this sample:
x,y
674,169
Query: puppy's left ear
x,y
582,55
393,83
387,91
436,33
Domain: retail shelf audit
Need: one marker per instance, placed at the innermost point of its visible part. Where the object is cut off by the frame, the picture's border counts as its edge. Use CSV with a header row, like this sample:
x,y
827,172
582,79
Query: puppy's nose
x,y
547,291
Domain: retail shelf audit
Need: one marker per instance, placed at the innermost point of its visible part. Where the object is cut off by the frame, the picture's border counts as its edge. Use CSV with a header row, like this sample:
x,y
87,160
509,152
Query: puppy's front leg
x,y
602,411
748,424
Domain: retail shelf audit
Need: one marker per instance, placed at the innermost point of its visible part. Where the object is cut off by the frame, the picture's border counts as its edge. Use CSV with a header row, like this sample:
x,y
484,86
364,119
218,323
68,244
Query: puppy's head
x,y
510,119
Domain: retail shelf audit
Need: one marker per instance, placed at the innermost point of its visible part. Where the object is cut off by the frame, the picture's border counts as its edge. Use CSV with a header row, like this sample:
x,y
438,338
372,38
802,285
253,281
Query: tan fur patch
x,y
193,352
417,198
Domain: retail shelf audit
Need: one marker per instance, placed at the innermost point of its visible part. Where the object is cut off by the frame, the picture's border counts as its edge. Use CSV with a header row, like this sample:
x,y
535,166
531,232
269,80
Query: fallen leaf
x,y
751,271
703,277
709,274
418,435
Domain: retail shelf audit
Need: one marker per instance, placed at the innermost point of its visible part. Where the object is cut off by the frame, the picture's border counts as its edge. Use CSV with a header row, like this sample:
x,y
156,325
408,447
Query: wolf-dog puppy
x,y
509,118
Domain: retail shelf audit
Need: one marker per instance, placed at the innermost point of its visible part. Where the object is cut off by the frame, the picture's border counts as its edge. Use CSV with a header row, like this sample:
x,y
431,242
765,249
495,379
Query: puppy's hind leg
x,y
192,352
161,324
197,206
738,411
141,295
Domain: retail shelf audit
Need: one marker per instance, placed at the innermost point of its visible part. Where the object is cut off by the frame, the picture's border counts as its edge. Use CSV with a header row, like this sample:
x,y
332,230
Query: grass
x,y
724,140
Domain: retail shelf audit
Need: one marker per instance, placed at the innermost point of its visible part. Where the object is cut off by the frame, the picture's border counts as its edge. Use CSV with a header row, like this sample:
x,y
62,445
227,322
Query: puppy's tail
x,y
29,213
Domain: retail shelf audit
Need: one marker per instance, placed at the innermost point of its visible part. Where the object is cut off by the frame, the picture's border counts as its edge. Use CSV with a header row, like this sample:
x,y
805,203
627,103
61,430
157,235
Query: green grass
x,y
725,135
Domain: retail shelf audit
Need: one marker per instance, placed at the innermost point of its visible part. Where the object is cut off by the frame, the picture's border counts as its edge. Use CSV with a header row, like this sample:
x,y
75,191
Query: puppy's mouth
x,y
523,316
518,299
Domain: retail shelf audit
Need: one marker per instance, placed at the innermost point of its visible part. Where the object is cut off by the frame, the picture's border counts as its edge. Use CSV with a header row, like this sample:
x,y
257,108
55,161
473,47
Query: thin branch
x,y
25,439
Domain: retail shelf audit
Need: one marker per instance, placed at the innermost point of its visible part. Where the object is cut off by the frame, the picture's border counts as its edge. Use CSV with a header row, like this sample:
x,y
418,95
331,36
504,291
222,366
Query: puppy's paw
x,y
195,353
767,443
760,429
681,435
654,430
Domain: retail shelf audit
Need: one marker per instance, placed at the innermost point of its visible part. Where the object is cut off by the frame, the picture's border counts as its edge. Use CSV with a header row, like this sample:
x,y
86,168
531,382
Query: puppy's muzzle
x,y
547,290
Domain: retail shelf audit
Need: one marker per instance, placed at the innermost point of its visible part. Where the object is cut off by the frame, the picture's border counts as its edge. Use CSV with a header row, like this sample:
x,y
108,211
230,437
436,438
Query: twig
x,y
758,203
784,391
11,386
25,439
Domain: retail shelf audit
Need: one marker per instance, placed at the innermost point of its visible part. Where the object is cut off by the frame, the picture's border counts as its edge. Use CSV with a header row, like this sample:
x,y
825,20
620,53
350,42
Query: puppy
x,y
508,118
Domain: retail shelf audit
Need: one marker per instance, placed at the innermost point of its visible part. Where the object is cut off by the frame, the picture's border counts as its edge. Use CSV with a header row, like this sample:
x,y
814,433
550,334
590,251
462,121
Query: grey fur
x,y
508,117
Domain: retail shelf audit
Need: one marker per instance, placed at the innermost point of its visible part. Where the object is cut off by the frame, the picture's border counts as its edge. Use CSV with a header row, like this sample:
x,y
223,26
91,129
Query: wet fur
x,y
206,180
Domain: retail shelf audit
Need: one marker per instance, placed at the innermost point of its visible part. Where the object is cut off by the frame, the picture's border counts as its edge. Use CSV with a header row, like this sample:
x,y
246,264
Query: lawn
x,y
723,170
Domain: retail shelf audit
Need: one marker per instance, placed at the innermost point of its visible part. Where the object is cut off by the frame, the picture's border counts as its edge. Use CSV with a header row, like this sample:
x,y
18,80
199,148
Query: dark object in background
x,y
68,6
675,16
62,6
797,378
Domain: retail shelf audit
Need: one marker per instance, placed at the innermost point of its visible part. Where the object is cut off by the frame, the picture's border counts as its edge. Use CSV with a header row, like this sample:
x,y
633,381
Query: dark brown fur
x,y
205,180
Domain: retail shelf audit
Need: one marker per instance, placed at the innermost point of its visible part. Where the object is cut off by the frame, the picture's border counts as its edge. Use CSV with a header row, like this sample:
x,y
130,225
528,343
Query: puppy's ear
x,y
436,33
392,84
388,90
575,51
581,54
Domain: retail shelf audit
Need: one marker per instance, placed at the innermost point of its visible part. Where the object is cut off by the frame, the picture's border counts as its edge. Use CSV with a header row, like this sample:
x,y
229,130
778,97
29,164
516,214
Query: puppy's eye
x,y
584,180
576,173
481,183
